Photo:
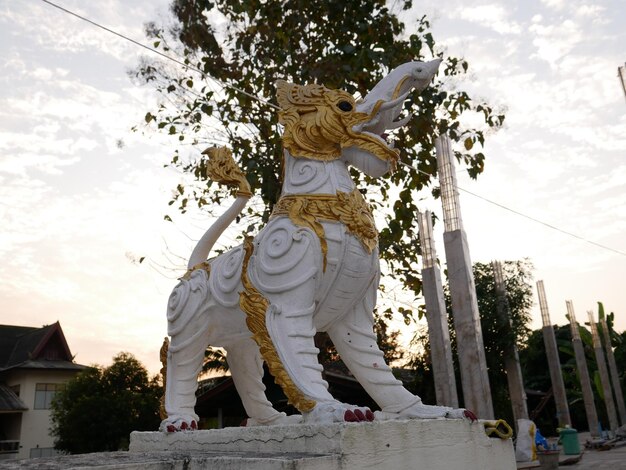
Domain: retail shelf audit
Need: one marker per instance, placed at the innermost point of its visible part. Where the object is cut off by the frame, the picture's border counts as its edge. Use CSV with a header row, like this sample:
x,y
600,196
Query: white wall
x,y
35,423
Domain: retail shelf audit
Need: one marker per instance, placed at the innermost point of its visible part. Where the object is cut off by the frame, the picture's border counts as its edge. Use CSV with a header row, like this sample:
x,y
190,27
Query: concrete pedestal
x,y
398,445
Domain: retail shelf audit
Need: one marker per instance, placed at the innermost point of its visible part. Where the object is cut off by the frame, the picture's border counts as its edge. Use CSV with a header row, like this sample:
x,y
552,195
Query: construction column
x,y
511,357
469,336
440,350
617,388
583,372
604,374
554,363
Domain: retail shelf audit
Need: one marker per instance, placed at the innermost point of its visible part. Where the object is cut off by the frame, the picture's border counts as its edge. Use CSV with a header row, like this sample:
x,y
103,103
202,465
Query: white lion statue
x,y
313,267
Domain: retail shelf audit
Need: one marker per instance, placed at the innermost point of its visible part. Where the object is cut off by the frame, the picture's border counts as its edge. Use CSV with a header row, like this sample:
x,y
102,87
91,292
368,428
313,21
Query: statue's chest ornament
x,y
350,209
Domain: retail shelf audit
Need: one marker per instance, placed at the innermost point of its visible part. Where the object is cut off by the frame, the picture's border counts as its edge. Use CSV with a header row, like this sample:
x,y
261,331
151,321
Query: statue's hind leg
x,y
355,341
188,321
246,366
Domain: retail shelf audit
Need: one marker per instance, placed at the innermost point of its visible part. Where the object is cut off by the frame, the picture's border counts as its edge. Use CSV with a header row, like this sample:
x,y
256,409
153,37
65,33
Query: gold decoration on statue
x,y
163,356
222,168
255,306
351,209
204,265
319,123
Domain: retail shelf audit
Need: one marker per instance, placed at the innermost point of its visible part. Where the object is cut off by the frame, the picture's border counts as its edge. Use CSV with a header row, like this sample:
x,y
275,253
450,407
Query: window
x,y
15,389
37,452
44,394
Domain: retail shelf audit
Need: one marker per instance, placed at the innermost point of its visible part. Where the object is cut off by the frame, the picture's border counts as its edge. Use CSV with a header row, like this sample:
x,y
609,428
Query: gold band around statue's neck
x,y
350,209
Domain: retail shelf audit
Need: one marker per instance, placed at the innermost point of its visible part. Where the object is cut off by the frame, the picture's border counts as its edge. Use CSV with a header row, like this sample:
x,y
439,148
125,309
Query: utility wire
x,y
239,90
137,43
501,206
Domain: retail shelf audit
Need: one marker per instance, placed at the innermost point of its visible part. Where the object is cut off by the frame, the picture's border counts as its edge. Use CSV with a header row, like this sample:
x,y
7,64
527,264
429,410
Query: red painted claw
x,y
184,426
470,415
369,415
194,425
359,414
171,428
350,416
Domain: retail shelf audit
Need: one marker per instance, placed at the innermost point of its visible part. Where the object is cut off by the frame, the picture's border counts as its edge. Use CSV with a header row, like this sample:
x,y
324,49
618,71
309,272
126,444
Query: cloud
x,y
61,32
554,4
491,15
554,41
591,11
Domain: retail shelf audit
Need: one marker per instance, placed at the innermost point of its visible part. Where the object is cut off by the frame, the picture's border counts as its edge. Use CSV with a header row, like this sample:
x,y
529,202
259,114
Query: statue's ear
x,y
283,90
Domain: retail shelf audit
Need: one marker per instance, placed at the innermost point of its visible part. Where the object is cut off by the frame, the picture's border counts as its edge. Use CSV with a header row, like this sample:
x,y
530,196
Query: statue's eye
x,y
344,106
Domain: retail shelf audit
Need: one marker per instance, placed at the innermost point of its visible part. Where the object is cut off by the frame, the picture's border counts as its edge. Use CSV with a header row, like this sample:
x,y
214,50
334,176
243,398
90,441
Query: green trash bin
x,y
569,441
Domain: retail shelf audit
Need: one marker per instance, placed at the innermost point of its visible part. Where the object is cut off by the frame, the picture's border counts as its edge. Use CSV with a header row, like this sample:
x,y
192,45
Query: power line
x,y
225,85
137,43
553,227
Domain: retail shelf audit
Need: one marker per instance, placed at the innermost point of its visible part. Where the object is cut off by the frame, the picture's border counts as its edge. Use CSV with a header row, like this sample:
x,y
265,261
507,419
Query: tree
x,y
497,333
246,45
537,376
101,406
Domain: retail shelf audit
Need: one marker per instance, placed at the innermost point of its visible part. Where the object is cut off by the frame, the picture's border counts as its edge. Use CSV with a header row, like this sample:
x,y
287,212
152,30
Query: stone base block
x,y
394,445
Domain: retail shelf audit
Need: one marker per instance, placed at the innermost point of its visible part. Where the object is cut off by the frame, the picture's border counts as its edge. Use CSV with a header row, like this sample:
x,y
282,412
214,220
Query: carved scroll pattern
x,y
309,210
225,280
255,306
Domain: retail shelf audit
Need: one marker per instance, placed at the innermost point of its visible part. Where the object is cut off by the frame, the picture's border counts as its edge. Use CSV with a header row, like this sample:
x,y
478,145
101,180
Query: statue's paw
x,y
274,420
420,411
462,413
179,423
337,412
415,411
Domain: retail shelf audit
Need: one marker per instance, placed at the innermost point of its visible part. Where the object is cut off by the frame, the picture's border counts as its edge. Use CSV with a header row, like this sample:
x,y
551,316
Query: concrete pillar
x,y
511,356
617,387
583,372
604,374
437,317
469,336
554,363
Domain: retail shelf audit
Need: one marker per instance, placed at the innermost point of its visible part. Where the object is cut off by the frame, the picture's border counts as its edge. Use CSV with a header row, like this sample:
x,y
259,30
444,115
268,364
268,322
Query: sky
x,y
83,197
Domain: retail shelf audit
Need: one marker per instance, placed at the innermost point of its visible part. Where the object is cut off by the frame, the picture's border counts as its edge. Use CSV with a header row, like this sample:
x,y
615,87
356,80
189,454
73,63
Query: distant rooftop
x,y
35,348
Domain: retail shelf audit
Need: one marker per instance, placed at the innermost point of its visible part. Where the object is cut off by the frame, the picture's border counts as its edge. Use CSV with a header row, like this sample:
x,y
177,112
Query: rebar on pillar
x,y
554,363
583,372
470,347
604,374
617,387
437,317
511,356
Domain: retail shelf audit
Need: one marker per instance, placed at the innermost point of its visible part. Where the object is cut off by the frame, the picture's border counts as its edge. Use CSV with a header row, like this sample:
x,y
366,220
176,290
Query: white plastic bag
x,y
525,447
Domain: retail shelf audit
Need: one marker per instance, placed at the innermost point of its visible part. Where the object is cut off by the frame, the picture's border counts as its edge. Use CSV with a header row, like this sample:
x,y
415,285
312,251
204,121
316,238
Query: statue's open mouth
x,y
384,103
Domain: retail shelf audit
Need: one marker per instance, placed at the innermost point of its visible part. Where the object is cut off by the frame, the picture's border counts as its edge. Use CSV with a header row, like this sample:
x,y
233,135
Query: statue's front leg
x,y
282,272
355,341
295,365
